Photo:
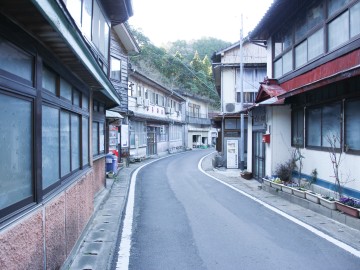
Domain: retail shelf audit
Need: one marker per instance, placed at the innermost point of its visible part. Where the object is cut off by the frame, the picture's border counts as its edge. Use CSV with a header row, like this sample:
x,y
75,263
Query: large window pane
x,y
65,89
15,61
102,137
76,98
315,15
96,25
86,18
287,62
85,140
65,143
74,7
50,146
352,125
316,44
301,28
95,138
85,102
278,68
75,142
301,54
49,80
115,69
339,30
331,119
313,133
100,31
355,20
297,127
336,5
16,155
230,123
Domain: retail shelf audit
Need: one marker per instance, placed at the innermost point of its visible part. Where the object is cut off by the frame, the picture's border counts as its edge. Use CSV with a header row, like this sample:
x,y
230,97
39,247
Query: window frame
x,y
295,129
345,120
279,50
323,146
11,209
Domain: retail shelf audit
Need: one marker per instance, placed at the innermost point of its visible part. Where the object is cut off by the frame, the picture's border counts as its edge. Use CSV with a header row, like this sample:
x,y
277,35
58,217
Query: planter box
x,y
328,204
299,193
287,189
266,182
351,211
313,197
277,185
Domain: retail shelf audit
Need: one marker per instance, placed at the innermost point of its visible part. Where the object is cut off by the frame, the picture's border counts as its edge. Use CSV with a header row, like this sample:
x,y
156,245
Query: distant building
x,y
226,70
155,118
198,124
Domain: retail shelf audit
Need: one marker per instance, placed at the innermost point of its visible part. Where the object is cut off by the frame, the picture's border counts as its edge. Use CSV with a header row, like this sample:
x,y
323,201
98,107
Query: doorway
x,y
258,155
151,141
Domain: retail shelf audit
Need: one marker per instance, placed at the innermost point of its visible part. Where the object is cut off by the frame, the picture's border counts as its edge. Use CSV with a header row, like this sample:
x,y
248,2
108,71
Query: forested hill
x,y
180,64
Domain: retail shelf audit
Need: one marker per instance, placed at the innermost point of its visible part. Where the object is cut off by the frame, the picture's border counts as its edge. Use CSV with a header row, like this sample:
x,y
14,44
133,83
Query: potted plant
x,y
311,195
277,183
284,172
328,202
266,181
348,206
110,174
246,175
299,192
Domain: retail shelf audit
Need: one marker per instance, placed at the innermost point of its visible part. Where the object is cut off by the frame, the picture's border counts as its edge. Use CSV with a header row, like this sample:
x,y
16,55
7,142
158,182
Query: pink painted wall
x,y
56,226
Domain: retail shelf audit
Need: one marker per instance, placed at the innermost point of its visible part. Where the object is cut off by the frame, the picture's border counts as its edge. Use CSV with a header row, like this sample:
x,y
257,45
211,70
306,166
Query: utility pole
x,y
242,141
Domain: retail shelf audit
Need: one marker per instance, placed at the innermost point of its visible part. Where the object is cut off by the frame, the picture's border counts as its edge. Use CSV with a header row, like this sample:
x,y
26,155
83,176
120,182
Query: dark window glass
x,y
16,155
352,125
15,61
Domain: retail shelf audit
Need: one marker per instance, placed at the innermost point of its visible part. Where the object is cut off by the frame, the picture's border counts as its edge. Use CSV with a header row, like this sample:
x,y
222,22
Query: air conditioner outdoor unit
x,y
146,102
167,110
229,107
139,101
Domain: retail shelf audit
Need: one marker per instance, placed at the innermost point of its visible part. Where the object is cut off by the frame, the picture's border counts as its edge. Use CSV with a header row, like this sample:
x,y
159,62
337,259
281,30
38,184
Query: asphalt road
x,y
183,219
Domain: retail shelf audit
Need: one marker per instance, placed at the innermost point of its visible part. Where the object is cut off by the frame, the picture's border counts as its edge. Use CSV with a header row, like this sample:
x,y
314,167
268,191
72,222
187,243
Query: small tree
x,y
298,157
336,158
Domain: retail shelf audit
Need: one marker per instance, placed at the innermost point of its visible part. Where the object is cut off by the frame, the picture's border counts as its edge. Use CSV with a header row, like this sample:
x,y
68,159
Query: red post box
x,y
266,138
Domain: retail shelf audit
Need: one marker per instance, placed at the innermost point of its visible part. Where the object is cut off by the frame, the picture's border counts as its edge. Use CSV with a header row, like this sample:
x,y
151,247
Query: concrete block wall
x,y
45,236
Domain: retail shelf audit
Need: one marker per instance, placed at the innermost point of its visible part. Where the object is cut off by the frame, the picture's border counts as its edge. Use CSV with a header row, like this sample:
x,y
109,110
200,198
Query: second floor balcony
x,y
197,118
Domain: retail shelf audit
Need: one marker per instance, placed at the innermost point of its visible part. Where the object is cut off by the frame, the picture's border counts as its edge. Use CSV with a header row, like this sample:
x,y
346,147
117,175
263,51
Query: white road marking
x,y
295,220
125,242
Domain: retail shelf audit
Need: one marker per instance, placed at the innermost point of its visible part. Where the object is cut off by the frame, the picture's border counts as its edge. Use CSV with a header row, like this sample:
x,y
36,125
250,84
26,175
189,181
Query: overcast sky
x,y
169,20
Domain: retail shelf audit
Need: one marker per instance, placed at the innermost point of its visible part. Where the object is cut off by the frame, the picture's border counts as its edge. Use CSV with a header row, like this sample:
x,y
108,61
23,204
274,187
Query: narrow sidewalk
x,y
346,234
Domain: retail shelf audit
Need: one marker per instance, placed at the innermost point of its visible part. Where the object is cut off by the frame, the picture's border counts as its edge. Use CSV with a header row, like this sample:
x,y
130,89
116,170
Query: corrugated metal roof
x,y
269,89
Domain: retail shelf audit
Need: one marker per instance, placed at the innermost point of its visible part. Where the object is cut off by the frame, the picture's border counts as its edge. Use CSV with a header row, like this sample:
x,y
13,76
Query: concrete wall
x,y
279,149
45,236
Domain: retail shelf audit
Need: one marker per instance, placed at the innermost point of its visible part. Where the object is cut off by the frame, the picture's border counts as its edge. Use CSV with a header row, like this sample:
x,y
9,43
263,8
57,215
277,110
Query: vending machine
x,y
232,154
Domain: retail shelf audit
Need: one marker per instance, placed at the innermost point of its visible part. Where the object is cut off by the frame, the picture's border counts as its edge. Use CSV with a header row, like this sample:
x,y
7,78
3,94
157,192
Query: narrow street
x,y
183,219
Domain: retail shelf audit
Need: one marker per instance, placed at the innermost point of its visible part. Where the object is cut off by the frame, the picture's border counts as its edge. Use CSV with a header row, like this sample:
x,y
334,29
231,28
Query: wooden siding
x,y
119,52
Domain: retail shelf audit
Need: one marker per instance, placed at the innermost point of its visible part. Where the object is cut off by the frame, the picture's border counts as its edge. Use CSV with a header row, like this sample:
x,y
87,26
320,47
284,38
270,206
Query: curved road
x,y
183,219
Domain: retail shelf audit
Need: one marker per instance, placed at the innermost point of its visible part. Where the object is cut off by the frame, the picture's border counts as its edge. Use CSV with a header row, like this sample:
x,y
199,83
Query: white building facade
x,y
155,118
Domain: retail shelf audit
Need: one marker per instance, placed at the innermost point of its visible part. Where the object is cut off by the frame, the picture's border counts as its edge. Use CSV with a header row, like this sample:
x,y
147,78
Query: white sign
x,y
124,135
232,149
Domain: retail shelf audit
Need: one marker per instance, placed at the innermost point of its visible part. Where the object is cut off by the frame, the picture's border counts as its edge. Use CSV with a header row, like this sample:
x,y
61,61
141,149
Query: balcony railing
x,y
198,119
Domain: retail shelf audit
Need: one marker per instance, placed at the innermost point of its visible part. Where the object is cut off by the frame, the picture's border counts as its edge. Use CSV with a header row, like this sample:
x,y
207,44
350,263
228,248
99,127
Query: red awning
x,y
269,89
